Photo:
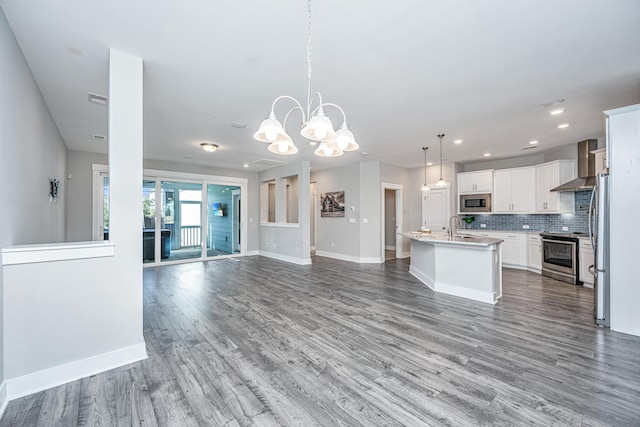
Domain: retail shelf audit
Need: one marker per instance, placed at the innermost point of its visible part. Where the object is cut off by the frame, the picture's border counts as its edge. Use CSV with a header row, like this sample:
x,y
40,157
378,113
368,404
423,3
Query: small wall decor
x,y
54,189
332,204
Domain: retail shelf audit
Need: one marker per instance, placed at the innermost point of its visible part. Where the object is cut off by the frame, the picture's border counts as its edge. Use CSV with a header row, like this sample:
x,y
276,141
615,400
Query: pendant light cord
x,y
441,136
308,59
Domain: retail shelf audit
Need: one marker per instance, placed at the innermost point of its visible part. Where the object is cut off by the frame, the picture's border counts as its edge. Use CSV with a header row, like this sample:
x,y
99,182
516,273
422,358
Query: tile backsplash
x,y
576,222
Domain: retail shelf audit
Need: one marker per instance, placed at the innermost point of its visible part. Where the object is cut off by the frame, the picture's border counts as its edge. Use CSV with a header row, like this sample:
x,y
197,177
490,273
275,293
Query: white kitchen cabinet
x,y
475,182
514,246
585,260
548,176
534,253
514,191
600,160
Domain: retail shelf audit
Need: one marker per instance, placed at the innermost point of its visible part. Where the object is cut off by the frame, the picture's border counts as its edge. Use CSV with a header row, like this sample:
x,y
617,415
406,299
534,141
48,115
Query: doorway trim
x,y
236,223
399,227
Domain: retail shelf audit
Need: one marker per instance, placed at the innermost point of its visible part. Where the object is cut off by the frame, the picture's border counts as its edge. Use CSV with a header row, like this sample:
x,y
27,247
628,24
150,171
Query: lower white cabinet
x,y
534,253
514,247
585,260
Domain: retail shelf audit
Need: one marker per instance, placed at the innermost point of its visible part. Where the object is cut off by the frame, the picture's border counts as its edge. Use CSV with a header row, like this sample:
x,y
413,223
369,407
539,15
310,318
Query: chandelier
x,y
315,124
425,187
441,182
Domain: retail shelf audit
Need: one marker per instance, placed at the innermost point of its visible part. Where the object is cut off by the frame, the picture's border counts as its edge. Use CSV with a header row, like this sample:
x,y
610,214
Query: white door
x,y
435,209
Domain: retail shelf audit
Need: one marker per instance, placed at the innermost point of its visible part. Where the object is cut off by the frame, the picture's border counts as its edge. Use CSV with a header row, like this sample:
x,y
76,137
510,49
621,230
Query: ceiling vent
x,y
99,137
267,162
531,147
97,99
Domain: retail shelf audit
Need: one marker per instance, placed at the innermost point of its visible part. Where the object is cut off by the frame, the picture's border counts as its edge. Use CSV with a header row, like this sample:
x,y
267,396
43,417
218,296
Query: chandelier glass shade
x,y
315,125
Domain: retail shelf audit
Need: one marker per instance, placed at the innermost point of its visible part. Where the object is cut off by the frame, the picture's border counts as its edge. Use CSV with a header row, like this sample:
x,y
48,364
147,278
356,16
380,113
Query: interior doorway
x,y
391,222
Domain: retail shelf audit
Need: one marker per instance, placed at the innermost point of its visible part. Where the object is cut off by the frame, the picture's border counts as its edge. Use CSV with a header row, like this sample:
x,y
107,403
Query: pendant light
x,y
425,187
441,182
316,126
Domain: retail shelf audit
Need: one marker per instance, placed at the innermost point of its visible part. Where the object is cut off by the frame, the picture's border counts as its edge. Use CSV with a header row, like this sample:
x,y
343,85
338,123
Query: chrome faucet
x,y
452,227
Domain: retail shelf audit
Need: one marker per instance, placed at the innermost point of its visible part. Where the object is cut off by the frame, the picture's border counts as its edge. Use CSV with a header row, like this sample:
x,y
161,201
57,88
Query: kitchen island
x,y
464,266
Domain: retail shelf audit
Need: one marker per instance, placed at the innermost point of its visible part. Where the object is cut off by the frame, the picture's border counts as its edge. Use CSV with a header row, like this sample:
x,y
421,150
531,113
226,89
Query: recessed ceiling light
x,y
246,165
553,103
563,126
556,111
429,164
486,154
364,153
208,147
457,141
534,142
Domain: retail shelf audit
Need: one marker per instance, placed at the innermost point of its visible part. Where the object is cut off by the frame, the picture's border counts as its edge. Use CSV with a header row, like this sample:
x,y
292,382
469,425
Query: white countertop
x,y
442,238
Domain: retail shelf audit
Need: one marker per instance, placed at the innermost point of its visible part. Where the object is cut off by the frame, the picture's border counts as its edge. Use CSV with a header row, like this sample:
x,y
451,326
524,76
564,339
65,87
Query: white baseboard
x,y
62,374
445,288
286,258
252,253
3,398
390,248
350,258
405,255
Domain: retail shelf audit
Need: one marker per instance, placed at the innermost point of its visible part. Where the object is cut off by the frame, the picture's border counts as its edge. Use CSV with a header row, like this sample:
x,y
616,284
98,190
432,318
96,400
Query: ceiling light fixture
x,y
563,126
486,154
425,187
556,111
316,126
441,182
208,147
534,142
457,141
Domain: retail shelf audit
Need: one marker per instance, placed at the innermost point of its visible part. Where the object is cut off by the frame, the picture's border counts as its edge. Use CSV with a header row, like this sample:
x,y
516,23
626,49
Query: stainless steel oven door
x,y
559,256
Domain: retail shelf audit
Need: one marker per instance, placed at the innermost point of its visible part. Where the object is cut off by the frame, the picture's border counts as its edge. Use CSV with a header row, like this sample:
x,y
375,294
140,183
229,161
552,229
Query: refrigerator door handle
x,y
591,219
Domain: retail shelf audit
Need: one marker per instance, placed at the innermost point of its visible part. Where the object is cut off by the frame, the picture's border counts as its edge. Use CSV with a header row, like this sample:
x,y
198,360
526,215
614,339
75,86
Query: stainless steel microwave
x,y
475,202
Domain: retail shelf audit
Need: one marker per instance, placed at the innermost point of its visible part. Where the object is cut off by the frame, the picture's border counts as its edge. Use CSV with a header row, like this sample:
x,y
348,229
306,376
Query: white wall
x,y
624,164
31,152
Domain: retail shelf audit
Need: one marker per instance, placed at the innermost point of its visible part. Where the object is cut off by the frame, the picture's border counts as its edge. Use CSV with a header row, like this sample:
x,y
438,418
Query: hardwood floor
x,y
255,341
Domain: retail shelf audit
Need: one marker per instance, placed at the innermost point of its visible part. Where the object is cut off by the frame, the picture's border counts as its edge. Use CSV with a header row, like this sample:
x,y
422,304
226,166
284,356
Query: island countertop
x,y
457,239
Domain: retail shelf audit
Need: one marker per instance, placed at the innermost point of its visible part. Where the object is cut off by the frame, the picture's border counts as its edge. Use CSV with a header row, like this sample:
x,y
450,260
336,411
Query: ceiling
x,y
403,71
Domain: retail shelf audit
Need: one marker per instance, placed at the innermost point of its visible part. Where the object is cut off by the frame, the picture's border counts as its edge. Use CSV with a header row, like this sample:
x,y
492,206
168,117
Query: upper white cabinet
x,y
475,182
514,190
548,176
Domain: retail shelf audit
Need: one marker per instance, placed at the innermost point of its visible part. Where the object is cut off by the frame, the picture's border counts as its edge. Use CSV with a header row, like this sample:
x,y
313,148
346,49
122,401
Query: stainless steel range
x,y
560,256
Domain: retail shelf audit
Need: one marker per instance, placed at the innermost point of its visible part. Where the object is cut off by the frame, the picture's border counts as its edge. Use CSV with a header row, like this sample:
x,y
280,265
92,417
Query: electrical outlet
x,y
483,225
266,244
564,228
332,245
274,246
525,226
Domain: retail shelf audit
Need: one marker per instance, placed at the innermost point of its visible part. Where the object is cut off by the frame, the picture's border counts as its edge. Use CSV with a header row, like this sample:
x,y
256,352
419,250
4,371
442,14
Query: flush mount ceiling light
x,y
208,147
534,142
556,111
457,141
441,182
486,154
425,187
552,103
563,126
315,124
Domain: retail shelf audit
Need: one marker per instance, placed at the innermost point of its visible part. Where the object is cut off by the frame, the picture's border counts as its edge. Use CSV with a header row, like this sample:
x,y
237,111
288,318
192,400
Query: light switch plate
x,y
365,220
483,225
525,226
352,220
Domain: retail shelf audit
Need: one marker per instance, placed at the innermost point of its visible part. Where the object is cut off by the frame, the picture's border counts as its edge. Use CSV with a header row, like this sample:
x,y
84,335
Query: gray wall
x,y
79,193
344,235
31,152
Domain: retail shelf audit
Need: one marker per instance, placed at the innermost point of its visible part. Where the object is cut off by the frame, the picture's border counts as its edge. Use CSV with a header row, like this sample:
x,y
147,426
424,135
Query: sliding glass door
x,y
181,220
223,220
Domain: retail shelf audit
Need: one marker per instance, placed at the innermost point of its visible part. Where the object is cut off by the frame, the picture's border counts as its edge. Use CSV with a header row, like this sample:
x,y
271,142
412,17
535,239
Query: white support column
x,y
125,174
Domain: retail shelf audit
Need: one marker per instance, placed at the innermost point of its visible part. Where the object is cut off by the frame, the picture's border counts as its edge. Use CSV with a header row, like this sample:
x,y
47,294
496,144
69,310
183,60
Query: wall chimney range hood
x,y
586,179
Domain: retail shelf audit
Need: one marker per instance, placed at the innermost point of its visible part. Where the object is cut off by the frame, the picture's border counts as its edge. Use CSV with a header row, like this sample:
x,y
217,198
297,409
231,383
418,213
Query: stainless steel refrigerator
x,y
599,235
